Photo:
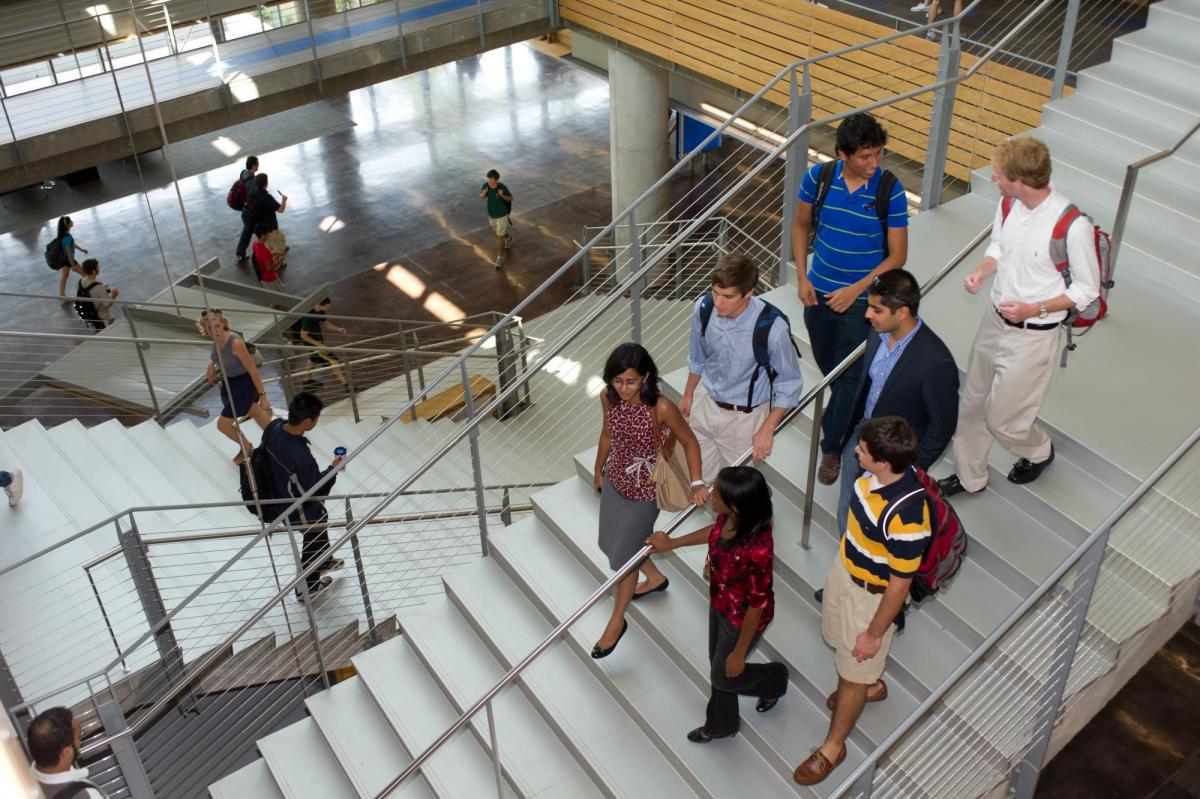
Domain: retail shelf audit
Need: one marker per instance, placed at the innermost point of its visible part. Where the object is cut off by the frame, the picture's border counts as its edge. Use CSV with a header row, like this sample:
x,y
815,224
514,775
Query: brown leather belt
x,y
1026,325
870,587
725,406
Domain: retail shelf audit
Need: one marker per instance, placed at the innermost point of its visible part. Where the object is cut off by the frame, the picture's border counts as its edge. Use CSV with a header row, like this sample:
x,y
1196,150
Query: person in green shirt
x,y
499,206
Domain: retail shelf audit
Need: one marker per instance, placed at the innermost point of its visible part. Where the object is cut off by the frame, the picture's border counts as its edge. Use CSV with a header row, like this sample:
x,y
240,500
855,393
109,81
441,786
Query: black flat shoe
x,y
766,704
703,736
1025,471
598,653
660,587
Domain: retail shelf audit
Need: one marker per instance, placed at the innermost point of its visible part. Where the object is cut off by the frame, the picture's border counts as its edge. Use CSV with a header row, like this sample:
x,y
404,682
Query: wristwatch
x,y
1042,310
697,484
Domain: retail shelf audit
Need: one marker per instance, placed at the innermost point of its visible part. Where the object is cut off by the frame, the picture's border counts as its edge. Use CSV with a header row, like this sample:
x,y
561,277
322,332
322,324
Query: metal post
x,y
125,751
400,39
479,23
297,553
799,115
814,449
107,622
289,379
416,345
137,347
312,41
635,266
722,235
476,461
1077,599
943,115
491,718
585,262
70,38
1064,49
552,13
1118,229
506,508
506,371
350,387
10,694
137,560
406,364
362,577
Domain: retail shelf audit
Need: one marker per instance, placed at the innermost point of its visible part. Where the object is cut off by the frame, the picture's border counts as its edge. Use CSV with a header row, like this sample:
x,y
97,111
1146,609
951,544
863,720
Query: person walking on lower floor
x,y
13,484
860,213
242,390
499,207
741,552
53,740
886,536
246,179
743,368
66,241
638,423
910,373
1015,348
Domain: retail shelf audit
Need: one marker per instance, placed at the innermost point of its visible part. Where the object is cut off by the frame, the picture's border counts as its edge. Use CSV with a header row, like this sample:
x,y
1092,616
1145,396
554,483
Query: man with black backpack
x,y
53,739
860,215
293,471
743,368
239,193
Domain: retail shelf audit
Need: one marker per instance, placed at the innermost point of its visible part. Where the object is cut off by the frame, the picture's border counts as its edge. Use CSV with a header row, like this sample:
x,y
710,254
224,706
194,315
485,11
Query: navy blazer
x,y
922,388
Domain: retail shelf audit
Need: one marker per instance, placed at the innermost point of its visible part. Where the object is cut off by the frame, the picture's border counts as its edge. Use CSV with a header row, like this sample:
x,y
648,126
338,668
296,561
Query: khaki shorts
x,y
499,226
846,611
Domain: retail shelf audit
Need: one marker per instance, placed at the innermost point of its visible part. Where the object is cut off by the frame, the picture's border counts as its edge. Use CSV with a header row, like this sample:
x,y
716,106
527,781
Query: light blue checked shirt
x,y
724,358
882,364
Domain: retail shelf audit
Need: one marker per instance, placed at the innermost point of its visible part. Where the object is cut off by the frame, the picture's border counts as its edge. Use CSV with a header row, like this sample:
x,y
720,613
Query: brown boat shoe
x,y
817,767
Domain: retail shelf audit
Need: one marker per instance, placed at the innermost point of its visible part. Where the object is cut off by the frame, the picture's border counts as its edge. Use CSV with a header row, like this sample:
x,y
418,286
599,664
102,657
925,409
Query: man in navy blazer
x,y
909,373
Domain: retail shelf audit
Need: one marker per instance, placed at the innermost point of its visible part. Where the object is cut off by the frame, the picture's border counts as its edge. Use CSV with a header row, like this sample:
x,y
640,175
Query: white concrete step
x,y
419,712
302,763
195,484
71,485
365,745
648,680
130,461
1144,94
593,722
1163,52
253,781
534,755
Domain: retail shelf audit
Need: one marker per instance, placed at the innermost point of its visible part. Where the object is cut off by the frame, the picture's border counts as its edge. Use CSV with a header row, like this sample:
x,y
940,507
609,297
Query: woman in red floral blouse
x,y
742,603
638,423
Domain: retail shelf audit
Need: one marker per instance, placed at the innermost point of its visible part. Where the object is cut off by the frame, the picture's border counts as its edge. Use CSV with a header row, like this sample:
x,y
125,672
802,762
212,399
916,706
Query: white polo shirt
x,y
65,777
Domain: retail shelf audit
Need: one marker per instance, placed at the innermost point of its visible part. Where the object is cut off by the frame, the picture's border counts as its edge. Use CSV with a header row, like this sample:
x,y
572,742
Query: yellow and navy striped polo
x,y
871,554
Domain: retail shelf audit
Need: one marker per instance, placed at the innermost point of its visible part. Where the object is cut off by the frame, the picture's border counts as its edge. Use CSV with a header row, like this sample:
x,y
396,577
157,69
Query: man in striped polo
x,y
886,535
860,215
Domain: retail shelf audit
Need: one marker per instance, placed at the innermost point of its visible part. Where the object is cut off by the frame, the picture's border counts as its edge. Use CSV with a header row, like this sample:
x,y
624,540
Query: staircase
x,y
572,726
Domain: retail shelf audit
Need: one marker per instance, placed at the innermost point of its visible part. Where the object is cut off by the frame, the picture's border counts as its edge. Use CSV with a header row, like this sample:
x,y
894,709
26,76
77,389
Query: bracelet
x,y
697,484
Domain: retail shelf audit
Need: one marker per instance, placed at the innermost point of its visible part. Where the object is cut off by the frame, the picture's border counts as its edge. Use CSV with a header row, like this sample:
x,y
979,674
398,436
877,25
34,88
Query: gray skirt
x,y
625,524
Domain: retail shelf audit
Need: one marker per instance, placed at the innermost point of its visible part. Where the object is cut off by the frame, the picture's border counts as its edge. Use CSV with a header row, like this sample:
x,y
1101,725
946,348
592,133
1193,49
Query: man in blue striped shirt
x,y
859,236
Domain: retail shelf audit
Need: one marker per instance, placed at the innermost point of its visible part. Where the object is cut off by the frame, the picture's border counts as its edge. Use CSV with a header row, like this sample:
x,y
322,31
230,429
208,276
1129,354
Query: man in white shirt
x,y
1012,359
53,739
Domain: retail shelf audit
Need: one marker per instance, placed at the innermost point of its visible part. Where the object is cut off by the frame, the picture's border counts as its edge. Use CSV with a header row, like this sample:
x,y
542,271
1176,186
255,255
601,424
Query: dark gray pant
x,y
762,680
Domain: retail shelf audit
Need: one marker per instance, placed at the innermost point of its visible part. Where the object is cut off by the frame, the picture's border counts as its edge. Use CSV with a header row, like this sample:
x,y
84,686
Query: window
x,y
26,78
194,36
79,65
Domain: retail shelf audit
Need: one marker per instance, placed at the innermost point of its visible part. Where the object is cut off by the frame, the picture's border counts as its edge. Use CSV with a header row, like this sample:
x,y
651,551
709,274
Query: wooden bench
x,y
452,400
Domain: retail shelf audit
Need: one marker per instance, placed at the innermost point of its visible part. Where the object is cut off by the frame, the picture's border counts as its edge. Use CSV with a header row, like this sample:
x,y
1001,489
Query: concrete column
x,y
637,98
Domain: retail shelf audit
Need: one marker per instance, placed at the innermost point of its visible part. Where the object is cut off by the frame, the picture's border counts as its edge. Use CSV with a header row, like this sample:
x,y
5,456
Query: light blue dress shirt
x,y
882,364
724,358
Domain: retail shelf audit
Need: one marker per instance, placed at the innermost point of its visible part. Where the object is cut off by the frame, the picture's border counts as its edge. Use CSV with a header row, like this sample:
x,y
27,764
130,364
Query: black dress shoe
x,y
703,736
598,653
660,587
951,486
764,705
1025,471
819,595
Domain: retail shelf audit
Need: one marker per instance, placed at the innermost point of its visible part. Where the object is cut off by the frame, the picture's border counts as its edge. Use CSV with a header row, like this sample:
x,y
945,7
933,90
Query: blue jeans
x,y
5,479
834,336
851,471
244,241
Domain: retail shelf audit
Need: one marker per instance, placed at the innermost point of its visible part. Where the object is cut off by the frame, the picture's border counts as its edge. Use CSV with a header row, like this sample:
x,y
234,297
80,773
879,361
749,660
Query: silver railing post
x,y
400,39
306,595
943,115
1061,64
506,508
799,115
524,357
289,379
352,389
87,570
814,450
137,560
1118,230
506,370
361,572
491,719
1077,599
635,266
137,347
125,751
479,23
476,460
406,365
312,41
552,13
10,695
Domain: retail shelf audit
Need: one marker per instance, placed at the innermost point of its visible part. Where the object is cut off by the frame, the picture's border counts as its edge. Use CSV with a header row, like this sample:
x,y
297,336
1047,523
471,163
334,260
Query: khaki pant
x,y
847,610
724,436
1008,375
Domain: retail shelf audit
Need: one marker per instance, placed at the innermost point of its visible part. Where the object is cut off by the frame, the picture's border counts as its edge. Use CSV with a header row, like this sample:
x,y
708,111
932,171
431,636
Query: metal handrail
x,y
632,564
585,321
990,643
1131,176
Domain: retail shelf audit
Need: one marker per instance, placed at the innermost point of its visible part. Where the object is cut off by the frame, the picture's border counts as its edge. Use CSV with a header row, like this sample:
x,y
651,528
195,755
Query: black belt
x,y
725,406
870,587
1025,325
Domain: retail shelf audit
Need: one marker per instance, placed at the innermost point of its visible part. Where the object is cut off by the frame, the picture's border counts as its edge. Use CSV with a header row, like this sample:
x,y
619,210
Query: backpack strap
x,y
74,789
1058,241
1006,206
894,507
706,312
762,353
825,176
883,202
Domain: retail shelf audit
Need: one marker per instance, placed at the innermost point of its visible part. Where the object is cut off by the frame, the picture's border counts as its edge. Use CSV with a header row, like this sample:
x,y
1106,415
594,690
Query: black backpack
x,y
55,257
262,463
68,791
762,332
85,308
883,197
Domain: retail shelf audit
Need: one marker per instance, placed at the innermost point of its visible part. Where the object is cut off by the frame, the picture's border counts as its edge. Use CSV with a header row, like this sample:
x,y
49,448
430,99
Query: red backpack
x,y
236,198
1077,322
947,544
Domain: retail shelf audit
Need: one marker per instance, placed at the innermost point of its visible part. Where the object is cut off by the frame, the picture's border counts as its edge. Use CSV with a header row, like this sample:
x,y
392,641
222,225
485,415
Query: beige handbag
x,y
672,483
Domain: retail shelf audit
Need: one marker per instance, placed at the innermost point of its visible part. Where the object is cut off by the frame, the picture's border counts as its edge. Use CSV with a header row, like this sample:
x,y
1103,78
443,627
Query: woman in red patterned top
x,y
638,423
740,554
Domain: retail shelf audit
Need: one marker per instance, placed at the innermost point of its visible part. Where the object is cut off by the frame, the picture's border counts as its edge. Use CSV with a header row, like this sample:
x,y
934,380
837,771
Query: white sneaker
x,y
932,35
313,593
920,8
15,488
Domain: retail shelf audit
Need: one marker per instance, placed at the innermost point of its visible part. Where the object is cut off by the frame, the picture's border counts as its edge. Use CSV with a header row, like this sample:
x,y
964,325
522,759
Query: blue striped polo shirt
x,y
849,241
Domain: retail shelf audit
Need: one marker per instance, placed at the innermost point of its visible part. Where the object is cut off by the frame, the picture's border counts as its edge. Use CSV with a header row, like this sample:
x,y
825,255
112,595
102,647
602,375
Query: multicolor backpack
x,y
947,544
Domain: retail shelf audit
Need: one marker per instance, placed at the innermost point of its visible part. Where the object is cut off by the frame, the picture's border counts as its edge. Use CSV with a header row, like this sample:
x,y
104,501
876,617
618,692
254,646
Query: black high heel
x,y
660,587
703,736
766,704
598,653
